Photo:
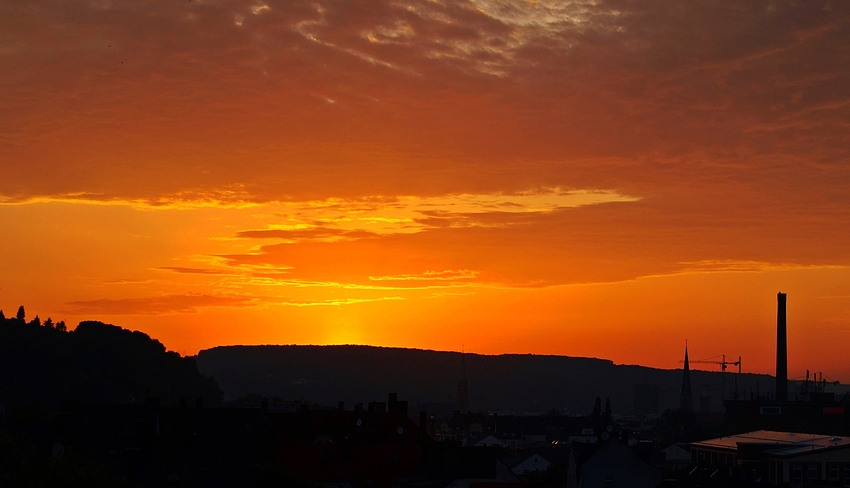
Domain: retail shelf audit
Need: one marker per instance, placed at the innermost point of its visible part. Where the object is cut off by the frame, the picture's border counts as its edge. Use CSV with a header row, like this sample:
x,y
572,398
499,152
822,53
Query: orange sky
x,y
591,177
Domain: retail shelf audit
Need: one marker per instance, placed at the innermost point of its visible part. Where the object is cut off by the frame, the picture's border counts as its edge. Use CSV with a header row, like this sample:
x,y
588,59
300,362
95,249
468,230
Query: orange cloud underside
x,y
583,178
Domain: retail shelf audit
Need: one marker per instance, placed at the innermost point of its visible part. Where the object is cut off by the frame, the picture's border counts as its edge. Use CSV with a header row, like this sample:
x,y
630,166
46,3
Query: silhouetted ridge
x,y
94,363
508,382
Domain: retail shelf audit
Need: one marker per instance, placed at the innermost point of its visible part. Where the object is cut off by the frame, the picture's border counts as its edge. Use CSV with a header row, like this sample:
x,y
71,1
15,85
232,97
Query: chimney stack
x,y
781,350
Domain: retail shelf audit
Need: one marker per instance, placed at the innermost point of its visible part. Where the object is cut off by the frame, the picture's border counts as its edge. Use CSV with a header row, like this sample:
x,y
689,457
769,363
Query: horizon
x,y
585,179
693,367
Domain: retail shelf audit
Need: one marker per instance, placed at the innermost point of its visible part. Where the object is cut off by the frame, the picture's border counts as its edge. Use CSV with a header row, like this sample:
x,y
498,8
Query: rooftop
x,y
787,443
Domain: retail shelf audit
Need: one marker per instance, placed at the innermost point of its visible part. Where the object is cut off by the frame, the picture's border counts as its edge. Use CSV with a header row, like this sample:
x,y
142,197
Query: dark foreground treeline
x,y
44,364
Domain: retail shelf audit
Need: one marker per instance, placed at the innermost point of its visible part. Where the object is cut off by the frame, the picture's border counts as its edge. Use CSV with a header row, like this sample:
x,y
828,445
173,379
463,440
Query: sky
x,y
601,178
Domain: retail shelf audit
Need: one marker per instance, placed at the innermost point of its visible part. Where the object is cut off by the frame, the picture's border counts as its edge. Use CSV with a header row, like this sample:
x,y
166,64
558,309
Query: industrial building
x,y
813,411
783,457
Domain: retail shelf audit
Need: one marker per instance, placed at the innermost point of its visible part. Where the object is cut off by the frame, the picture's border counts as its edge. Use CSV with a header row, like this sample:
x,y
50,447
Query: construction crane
x,y
723,365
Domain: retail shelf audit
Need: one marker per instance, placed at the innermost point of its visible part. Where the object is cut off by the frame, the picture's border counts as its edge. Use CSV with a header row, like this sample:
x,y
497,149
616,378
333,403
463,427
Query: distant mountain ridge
x,y
508,382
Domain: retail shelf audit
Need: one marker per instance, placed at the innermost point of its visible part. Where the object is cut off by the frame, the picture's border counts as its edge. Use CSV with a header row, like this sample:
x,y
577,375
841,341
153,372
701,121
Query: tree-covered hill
x,y
507,382
93,363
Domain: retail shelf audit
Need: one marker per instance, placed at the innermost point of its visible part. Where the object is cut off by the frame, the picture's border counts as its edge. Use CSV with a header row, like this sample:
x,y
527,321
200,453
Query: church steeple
x,y
687,399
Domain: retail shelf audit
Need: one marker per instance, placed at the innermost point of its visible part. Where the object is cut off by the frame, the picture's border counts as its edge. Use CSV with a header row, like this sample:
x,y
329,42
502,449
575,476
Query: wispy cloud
x,y
154,305
446,275
182,200
310,233
731,265
335,302
361,218
203,271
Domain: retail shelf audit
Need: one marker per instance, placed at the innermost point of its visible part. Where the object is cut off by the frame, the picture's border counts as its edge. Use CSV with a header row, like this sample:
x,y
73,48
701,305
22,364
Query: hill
x,y
509,382
94,363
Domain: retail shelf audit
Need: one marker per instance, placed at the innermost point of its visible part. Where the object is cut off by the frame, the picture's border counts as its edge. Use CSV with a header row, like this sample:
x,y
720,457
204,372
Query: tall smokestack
x,y
781,350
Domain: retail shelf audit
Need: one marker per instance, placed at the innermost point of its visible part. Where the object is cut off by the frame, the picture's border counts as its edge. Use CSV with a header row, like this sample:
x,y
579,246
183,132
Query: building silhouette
x,y
807,412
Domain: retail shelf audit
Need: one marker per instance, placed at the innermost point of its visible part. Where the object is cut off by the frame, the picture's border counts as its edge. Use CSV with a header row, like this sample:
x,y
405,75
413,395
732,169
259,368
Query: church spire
x,y
687,399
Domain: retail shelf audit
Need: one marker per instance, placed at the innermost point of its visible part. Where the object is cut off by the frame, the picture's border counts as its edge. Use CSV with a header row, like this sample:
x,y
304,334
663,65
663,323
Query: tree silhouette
x,y
48,323
597,407
36,321
94,363
22,314
608,408
2,315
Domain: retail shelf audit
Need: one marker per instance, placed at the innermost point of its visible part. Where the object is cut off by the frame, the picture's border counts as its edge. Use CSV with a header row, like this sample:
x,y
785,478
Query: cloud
x,y
726,265
335,302
589,244
446,275
216,198
537,143
507,95
319,152
156,305
178,269
314,233
370,217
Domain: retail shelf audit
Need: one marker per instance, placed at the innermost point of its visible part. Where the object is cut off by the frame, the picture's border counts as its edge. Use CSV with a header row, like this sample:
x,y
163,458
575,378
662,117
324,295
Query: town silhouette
x,y
98,405
424,243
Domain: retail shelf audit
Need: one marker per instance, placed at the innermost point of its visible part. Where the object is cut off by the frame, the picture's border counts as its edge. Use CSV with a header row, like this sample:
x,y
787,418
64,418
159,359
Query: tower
x,y
687,399
781,350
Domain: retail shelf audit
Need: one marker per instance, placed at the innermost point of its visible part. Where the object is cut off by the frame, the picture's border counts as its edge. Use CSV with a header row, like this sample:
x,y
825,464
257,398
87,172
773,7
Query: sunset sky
x,y
587,178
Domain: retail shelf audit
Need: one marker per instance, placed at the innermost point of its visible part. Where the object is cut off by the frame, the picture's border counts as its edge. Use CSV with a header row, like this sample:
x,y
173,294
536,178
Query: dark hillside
x,y
94,363
510,382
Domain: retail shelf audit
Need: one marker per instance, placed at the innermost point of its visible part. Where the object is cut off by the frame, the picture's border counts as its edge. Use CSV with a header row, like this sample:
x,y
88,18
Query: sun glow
x,y
549,176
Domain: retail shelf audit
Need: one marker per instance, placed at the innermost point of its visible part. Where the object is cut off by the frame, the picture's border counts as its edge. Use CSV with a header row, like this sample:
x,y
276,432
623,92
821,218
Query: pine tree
x,y
22,314
48,323
2,315
60,326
